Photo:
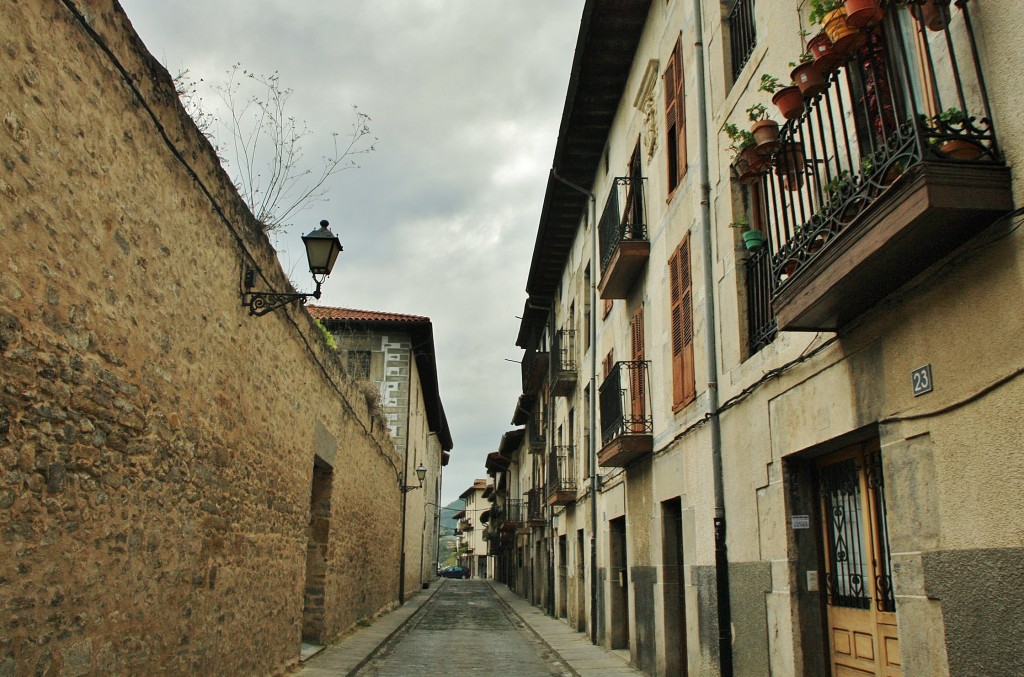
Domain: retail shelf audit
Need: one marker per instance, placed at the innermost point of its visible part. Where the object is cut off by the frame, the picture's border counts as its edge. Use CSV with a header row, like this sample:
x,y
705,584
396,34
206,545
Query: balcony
x,y
535,507
512,515
627,429
537,441
887,171
562,476
622,234
535,368
564,370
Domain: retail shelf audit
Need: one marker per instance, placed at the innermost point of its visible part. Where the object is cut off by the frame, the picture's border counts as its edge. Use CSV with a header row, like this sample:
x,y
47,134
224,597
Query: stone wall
x,y
157,443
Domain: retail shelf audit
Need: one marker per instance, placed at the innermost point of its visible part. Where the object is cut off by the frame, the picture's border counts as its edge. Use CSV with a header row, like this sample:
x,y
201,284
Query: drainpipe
x,y
711,340
594,263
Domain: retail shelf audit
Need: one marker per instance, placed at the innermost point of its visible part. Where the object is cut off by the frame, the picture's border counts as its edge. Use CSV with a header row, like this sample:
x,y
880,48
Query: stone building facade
x,y
392,355
472,520
801,457
175,497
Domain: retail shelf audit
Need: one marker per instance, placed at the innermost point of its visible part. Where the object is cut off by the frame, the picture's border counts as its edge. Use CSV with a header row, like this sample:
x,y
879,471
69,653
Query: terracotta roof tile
x,y
329,313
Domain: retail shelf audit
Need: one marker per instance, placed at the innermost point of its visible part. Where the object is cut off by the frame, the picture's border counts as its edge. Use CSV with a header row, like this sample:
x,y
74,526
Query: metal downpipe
x,y
711,341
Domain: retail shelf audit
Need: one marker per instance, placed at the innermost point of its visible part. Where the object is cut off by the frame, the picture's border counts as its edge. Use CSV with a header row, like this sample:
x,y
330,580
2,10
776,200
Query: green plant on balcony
x,y
951,121
752,239
788,98
821,8
749,164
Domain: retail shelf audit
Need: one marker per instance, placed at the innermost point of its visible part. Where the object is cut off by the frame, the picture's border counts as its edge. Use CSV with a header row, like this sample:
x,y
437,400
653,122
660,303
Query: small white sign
x,y
800,521
812,581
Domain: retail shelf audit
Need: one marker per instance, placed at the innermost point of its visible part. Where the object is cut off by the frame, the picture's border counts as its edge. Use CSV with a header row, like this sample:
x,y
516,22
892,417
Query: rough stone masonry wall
x,y
156,442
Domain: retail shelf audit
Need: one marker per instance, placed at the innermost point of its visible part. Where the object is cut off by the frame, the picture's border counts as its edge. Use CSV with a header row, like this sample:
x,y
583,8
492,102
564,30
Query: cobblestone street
x,y
465,628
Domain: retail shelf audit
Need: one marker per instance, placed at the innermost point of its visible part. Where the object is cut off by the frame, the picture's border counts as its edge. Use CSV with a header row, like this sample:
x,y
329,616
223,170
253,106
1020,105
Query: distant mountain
x,y
448,522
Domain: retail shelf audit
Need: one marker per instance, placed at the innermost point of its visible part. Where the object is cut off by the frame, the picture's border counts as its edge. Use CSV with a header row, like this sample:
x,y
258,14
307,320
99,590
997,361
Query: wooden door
x,y
861,608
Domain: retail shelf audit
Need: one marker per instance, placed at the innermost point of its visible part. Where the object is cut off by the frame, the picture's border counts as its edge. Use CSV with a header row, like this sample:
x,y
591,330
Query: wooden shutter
x,y
683,383
675,116
680,112
608,362
636,373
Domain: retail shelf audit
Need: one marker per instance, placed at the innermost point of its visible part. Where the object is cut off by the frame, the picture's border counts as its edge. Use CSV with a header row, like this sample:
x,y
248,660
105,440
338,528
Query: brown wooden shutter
x,y
636,373
683,380
680,112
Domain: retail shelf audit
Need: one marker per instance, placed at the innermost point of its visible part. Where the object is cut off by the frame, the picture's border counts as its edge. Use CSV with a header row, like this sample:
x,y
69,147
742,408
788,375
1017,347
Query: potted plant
x,y
790,164
752,239
750,165
825,55
831,14
764,129
863,13
935,14
958,149
806,75
789,100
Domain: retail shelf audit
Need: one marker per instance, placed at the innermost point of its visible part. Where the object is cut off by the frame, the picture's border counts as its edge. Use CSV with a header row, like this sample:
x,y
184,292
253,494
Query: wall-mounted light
x,y
322,249
421,474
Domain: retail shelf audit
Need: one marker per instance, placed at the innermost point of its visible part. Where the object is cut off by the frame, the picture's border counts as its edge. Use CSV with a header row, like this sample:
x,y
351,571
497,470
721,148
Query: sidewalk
x,y
354,650
575,648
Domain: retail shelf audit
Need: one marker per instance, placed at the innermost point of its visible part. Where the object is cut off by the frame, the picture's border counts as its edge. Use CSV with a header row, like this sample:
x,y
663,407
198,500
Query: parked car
x,y
455,572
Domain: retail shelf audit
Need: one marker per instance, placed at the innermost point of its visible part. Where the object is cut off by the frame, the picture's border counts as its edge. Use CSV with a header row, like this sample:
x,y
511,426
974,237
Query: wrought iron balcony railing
x,y
562,476
535,506
889,168
563,367
513,512
534,367
742,34
622,237
537,438
627,428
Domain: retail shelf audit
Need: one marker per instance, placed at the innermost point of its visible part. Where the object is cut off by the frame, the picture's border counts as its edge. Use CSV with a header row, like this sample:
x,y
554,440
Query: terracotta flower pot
x,y
845,38
808,78
766,136
863,13
935,14
790,101
750,166
959,149
825,55
790,165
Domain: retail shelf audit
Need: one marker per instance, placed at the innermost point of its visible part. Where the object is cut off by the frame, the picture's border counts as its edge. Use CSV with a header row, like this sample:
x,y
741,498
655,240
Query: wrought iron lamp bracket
x,y
261,303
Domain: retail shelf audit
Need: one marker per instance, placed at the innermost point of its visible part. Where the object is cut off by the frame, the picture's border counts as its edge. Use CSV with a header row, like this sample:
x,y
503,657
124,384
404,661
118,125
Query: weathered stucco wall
x,y
156,442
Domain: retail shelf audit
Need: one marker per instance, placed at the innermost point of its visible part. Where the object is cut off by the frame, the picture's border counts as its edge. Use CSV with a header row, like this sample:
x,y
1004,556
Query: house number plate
x,y
921,378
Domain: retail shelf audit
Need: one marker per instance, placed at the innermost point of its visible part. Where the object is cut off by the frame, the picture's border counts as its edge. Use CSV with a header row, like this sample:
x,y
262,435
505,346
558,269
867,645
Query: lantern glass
x,y
322,249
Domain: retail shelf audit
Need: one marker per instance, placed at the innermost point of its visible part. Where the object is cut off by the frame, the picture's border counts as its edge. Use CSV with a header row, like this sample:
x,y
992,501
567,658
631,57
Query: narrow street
x,y
464,628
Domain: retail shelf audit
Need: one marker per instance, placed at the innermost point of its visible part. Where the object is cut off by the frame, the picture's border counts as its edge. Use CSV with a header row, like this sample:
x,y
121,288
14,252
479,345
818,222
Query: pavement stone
x,y
460,626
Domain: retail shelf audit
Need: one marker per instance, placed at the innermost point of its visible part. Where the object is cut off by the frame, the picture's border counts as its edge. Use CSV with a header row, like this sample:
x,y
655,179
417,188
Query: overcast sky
x,y
465,98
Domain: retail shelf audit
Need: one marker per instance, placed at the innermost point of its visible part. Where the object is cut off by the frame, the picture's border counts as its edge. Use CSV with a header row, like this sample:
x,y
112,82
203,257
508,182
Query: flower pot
x,y
790,165
825,55
750,166
766,136
863,13
790,101
935,14
845,38
959,149
753,239
808,78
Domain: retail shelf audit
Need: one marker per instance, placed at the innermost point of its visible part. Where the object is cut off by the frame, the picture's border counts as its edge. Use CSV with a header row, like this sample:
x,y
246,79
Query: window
x,y
742,34
359,363
608,363
675,117
683,384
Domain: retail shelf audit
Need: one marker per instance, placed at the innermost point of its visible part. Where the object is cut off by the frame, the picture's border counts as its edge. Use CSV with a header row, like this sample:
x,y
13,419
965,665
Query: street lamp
x,y
421,474
322,249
